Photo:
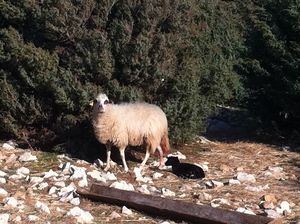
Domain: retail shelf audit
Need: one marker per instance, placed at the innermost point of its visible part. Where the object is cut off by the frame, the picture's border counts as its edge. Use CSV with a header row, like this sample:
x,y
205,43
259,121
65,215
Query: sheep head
x,y
100,103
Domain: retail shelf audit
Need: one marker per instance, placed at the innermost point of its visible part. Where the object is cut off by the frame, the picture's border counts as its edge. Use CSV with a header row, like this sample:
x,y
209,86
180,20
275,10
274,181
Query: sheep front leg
x,y
146,156
108,153
122,153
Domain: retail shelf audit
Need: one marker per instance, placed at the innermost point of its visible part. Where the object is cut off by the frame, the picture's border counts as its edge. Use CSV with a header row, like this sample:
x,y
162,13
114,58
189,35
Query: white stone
x,y
109,176
11,201
42,207
234,182
244,177
33,218
7,146
36,180
83,182
126,211
78,174
81,215
153,189
157,175
75,201
143,189
23,171
122,185
246,211
167,192
26,157
95,174
50,174
3,193
219,201
65,167
115,215
60,184
17,219
43,185
272,213
4,217
144,180
285,206
52,190
16,177
217,184
2,180
2,174
275,169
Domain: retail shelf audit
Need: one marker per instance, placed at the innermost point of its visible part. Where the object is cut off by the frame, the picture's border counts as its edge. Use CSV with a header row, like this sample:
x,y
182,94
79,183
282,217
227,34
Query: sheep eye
x,y
106,102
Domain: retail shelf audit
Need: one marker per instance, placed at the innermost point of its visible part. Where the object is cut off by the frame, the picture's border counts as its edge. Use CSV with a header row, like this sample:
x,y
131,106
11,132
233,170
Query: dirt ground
x,y
223,160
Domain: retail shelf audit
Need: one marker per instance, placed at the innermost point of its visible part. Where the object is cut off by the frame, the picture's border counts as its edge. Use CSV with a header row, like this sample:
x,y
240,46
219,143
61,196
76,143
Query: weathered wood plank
x,y
172,209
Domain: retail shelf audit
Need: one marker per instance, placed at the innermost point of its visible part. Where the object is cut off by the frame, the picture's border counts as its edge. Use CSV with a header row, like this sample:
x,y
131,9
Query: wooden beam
x,y
172,209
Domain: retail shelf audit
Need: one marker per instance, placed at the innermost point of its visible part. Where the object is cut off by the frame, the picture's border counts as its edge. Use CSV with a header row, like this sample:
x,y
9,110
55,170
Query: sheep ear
x,y
91,103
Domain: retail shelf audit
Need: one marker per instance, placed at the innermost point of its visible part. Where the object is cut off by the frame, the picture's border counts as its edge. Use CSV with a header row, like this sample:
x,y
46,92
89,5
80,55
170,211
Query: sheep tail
x,y
164,144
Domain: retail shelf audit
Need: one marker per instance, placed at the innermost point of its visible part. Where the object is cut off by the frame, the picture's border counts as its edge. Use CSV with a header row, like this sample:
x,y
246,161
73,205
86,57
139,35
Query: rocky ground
x,y
252,178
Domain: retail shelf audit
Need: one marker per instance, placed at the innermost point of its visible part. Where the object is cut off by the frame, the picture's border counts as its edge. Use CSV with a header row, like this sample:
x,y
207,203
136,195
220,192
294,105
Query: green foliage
x,y
55,56
271,67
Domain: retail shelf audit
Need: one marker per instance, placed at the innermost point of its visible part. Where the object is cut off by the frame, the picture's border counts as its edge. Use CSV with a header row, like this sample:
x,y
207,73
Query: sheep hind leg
x,y
108,153
161,157
122,153
146,156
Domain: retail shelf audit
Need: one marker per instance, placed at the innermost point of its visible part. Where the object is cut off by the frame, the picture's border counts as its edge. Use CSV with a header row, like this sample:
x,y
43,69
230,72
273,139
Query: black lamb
x,y
185,170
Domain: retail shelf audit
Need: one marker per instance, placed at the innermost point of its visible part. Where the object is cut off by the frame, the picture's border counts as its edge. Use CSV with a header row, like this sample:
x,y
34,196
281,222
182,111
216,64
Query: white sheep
x,y
132,124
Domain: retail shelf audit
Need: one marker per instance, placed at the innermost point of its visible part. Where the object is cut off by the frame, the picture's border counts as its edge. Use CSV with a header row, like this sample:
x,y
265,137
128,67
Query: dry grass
x,y
224,161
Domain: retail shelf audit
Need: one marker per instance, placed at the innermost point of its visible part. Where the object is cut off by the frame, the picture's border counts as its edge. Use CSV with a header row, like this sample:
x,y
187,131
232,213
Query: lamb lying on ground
x,y
132,124
184,170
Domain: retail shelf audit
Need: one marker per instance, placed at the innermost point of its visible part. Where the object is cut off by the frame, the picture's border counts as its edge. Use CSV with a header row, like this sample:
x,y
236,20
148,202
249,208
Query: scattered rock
x,y
42,207
2,174
225,168
126,211
4,217
115,215
3,193
157,175
246,211
213,184
234,182
244,177
143,189
27,157
219,201
109,176
95,174
203,196
11,201
2,180
60,184
50,174
23,171
33,218
52,190
168,193
185,187
36,180
75,201
80,215
83,182
7,146
275,172
272,213
43,185
284,208
17,219
122,185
